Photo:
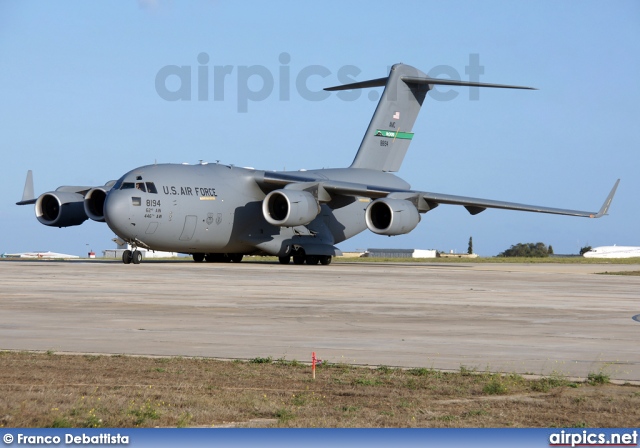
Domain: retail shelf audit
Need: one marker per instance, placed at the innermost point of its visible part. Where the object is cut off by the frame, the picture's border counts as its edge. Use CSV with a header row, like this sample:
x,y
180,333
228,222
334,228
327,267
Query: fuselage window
x,y
140,186
151,188
127,186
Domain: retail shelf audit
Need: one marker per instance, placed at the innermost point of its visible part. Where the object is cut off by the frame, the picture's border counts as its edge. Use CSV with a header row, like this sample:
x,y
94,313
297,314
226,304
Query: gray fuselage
x,y
213,208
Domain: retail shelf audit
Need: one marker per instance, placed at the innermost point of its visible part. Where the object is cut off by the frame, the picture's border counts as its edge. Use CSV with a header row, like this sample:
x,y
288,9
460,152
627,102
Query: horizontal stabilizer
x,y
454,82
380,82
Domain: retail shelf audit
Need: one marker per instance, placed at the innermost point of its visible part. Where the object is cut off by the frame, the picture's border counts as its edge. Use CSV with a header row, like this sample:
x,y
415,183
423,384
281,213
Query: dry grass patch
x,y
494,260
50,390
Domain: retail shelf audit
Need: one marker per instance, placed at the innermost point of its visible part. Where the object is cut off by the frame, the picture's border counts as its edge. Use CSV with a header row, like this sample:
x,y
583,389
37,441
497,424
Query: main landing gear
x,y
299,257
134,257
217,258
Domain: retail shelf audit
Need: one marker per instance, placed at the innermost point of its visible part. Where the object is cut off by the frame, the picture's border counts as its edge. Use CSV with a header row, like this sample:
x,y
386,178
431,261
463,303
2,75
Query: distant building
x,y
400,253
48,255
354,254
454,255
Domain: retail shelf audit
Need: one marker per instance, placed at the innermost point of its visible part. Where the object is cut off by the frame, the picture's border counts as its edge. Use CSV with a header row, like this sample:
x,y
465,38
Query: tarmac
x,y
521,318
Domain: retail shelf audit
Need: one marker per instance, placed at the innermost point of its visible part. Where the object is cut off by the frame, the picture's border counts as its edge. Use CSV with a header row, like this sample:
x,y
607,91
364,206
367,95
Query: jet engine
x,y
388,216
60,209
289,208
94,203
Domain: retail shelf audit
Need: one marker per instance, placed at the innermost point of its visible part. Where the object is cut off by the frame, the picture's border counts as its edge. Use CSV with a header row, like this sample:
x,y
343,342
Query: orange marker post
x,y
313,364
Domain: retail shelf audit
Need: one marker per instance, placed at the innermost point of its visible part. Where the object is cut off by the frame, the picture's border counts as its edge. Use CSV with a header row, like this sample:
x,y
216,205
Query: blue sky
x,y
80,106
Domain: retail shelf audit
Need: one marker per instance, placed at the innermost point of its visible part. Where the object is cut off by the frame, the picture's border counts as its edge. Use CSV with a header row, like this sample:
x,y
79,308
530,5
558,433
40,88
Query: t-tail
x,y
390,132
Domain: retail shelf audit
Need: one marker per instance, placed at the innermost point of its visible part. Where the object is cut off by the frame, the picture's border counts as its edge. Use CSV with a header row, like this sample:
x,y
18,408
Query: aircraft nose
x,y
117,213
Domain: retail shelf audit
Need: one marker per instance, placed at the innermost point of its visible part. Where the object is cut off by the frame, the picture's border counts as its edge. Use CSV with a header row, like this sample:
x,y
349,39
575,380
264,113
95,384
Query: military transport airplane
x,y
217,212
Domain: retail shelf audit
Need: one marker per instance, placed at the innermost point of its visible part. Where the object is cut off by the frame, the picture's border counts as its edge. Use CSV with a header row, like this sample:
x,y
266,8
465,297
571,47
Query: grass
x,y
598,378
552,381
480,260
51,390
495,387
267,360
269,259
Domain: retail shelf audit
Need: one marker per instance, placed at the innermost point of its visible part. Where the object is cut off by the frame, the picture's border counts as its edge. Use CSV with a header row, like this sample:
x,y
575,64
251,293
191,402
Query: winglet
x,y
27,196
607,203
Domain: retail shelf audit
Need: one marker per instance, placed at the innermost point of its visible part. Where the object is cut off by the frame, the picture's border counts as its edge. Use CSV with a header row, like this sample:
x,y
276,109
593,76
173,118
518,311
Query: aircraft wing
x,y
425,201
67,205
476,205
29,198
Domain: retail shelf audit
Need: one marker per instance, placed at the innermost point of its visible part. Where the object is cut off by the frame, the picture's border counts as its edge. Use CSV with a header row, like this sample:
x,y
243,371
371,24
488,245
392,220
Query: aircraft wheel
x,y
136,257
211,258
312,259
325,260
236,258
284,260
299,256
126,256
198,258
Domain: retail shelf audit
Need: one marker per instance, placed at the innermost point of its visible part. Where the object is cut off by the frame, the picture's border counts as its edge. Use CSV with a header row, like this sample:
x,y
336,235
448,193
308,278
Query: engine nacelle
x,y
387,216
289,208
94,203
60,209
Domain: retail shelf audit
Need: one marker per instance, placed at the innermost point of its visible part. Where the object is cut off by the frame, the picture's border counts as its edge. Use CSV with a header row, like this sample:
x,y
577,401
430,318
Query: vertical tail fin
x,y
389,133
388,136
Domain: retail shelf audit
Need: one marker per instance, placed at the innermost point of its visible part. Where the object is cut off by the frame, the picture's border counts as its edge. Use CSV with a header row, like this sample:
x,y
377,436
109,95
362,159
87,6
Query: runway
x,y
535,319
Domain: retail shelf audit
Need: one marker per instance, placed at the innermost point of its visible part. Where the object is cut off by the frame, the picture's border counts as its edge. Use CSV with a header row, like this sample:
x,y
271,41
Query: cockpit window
x,y
147,187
